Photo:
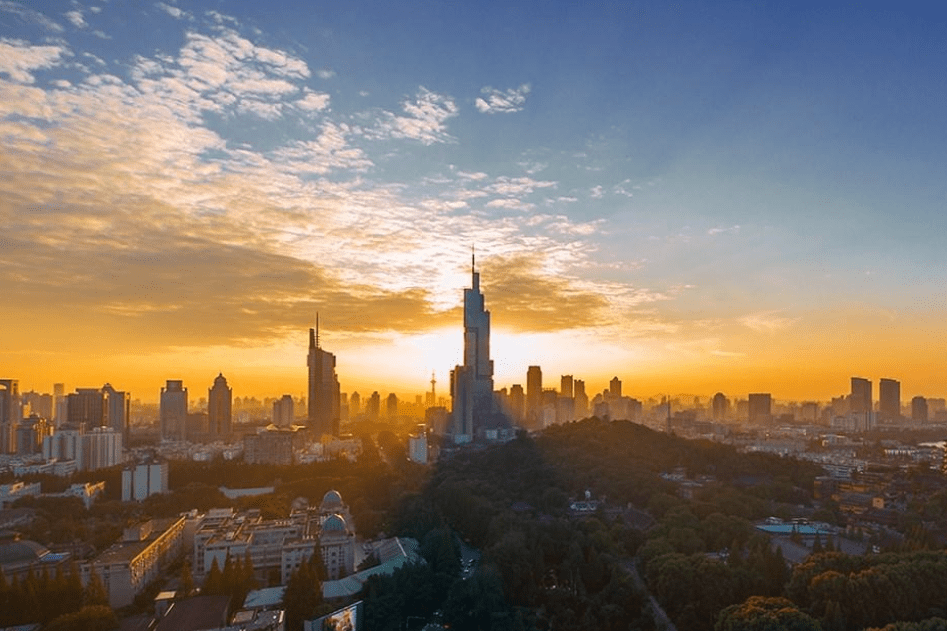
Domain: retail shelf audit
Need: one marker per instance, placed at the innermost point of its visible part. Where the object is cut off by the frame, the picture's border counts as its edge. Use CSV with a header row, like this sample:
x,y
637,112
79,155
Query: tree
x,y
95,593
303,595
90,618
214,581
759,613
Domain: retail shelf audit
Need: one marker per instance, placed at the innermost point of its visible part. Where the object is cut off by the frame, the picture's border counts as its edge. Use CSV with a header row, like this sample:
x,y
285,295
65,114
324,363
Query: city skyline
x,y
700,199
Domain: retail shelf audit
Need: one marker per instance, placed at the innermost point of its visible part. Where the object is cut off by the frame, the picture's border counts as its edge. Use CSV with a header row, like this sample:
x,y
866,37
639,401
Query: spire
x,y
473,260
317,330
312,339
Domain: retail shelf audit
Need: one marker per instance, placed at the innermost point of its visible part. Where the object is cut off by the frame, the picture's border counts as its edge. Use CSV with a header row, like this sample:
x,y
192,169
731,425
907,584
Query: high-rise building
x,y
220,409
391,406
517,403
173,410
118,411
283,411
373,406
760,408
473,406
87,407
614,388
534,395
860,402
59,403
719,406
355,405
919,410
10,414
889,399
565,386
324,390
581,399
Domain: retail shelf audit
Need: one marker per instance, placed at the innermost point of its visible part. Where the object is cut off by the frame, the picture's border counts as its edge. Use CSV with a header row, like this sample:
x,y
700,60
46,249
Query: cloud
x,y
596,192
504,185
731,230
327,73
174,12
76,18
496,101
511,203
18,59
425,119
30,16
313,101
525,296
767,321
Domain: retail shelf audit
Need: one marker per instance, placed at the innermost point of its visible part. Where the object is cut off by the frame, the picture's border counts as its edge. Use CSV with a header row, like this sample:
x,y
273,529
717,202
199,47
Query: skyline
x,y
735,198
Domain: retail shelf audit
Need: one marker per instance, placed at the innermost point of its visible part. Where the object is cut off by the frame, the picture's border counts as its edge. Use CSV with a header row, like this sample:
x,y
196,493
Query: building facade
x,y
220,409
173,410
324,390
474,407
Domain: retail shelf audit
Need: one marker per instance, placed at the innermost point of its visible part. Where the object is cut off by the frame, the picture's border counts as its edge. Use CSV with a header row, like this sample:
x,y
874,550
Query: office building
x,y
860,404
517,401
919,410
355,405
220,409
87,407
719,406
173,412
760,408
889,399
581,399
614,388
565,386
144,479
473,406
272,445
11,413
59,403
391,406
534,394
117,410
283,411
324,390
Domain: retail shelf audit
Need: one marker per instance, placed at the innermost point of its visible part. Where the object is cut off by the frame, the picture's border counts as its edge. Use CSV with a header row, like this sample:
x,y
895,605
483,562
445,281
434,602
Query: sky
x,y
691,196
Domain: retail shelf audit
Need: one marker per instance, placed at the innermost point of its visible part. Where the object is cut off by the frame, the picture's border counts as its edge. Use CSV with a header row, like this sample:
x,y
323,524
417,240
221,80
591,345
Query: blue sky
x,y
706,193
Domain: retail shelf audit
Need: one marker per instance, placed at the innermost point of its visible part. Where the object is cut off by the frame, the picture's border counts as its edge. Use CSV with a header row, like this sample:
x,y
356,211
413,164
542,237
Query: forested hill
x,y
544,566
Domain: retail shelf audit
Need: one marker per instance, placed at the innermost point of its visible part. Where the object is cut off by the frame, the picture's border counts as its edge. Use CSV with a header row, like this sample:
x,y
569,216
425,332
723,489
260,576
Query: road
x,y
661,620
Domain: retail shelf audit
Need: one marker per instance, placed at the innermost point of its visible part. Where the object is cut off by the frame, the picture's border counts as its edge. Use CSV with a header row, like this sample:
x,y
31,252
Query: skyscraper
x,y
919,410
581,399
324,390
760,408
860,402
220,408
173,410
614,388
534,394
719,406
473,404
10,414
87,407
118,411
889,399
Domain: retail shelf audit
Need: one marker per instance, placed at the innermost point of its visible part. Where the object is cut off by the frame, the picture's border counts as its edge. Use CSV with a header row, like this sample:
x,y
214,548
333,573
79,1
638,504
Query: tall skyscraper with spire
x,y
473,404
324,390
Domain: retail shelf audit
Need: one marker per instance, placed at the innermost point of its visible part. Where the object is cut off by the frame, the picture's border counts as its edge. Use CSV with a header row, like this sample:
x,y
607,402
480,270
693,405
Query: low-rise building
x,y
129,565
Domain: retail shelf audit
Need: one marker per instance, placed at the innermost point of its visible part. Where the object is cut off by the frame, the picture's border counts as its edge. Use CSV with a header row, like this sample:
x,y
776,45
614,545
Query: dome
x,y
332,500
334,523
23,551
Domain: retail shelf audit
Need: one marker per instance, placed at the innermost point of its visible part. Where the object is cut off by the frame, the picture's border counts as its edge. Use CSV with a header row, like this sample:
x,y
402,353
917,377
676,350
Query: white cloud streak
x,y
495,101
